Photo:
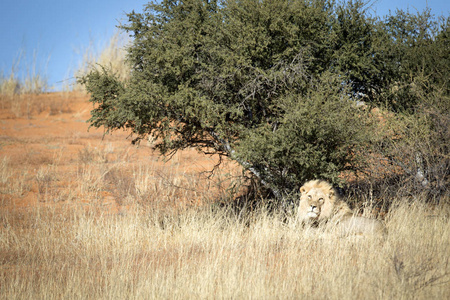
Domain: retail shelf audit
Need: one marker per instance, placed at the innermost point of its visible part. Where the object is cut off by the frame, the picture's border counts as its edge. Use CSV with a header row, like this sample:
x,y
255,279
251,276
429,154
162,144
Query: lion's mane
x,y
332,207
321,204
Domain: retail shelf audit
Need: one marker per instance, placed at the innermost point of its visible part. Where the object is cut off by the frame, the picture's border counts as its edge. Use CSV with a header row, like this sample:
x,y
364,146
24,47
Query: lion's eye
x,y
309,197
320,200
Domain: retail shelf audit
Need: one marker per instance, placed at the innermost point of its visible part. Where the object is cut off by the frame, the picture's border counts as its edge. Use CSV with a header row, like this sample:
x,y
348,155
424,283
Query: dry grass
x,y
13,181
165,240
20,94
111,56
205,254
15,90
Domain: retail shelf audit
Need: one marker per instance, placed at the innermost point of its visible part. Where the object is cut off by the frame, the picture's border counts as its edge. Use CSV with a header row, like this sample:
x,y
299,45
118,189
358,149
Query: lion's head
x,y
319,202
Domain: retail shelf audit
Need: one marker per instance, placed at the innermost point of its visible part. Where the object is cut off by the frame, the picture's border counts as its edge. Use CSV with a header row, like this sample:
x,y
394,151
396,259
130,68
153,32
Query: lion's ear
x,y
302,189
331,193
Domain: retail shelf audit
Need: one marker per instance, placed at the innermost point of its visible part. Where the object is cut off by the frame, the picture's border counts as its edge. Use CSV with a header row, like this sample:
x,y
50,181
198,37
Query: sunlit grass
x,y
203,253
170,240
112,56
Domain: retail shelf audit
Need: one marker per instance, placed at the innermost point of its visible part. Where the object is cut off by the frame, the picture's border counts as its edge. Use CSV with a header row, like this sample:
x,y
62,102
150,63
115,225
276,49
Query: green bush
x,y
273,85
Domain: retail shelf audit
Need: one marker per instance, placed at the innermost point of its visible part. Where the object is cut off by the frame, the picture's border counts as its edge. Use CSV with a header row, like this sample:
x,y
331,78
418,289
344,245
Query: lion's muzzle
x,y
313,212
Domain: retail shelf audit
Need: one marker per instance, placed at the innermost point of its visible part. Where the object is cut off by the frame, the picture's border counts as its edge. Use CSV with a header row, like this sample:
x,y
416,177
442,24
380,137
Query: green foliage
x,y
354,56
415,50
271,84
319,135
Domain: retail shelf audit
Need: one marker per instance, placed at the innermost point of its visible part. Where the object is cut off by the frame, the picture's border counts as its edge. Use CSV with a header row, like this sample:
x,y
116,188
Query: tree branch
x,y
232,154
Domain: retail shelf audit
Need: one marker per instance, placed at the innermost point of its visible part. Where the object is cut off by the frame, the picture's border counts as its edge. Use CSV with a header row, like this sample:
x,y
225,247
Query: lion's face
x,y
314,199
320,204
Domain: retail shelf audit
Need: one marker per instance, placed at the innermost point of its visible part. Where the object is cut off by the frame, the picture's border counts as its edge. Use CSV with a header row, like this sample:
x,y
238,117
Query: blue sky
x,y
59,30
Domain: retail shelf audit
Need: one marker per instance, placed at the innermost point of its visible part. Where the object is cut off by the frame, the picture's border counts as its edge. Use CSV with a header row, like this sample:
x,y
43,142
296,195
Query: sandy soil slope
x,y
50,158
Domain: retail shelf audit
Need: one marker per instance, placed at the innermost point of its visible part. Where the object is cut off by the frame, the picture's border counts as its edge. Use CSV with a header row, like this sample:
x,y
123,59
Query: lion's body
x,y
320,205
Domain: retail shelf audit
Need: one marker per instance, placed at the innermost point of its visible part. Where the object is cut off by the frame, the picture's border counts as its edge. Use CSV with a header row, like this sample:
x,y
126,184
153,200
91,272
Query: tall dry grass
x,y
13,181
111,56
24,77
209,254
156,250
22,80
20,85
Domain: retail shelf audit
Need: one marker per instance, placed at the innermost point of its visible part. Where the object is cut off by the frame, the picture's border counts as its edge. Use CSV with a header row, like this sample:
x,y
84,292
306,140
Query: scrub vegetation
x,y
211,254
290,90
245,100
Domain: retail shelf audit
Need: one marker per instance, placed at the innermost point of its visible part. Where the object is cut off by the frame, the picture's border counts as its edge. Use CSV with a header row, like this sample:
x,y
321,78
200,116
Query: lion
x,y
321,206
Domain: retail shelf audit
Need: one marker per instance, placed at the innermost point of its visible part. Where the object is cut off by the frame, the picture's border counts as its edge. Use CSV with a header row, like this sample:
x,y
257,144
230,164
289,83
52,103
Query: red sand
x,y
53,136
